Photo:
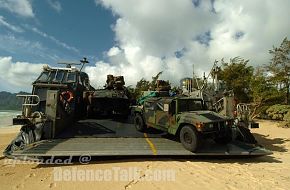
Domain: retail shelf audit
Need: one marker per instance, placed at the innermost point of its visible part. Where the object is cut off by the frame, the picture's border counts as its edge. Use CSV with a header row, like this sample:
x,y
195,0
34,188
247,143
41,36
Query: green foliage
x,y
287,117
236,75
278,111
144,85
279,67
263,94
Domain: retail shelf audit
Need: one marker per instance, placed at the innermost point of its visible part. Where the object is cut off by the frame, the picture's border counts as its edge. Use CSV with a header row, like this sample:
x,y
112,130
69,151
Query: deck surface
x,y
119,138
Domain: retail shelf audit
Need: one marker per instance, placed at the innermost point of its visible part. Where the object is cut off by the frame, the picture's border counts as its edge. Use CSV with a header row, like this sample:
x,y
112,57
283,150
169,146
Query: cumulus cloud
x,y
20,7
55,5
18,75
113,51
249,29
174,35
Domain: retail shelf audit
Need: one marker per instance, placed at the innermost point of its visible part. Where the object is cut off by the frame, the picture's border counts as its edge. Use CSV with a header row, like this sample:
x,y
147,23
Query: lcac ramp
x,y
132,147
114,138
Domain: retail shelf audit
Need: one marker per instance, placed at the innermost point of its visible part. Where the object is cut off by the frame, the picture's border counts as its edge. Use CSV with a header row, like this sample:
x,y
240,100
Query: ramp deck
x,y
115,138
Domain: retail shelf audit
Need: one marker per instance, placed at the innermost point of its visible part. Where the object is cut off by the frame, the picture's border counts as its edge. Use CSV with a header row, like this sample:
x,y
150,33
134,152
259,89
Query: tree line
x,y
261,86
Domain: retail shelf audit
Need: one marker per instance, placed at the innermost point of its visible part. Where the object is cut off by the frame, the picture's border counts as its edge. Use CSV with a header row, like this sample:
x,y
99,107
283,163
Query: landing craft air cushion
x,y
55,123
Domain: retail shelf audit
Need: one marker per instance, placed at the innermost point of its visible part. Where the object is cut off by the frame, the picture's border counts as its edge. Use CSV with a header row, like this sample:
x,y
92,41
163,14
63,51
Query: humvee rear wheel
x,y
189,138
139,123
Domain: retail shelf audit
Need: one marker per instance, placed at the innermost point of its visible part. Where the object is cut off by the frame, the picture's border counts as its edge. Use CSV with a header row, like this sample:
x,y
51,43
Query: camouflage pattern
x,y
166,114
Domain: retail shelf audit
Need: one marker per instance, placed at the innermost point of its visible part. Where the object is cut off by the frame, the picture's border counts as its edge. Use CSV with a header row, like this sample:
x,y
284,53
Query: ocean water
x,y
6,117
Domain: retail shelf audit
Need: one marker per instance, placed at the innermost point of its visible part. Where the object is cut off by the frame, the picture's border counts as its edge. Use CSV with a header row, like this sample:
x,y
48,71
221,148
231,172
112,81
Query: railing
x,y
243,108
29,100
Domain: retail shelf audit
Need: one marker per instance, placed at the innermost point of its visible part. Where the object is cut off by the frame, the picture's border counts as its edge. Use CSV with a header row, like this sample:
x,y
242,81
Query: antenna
x,y
69,64
83,61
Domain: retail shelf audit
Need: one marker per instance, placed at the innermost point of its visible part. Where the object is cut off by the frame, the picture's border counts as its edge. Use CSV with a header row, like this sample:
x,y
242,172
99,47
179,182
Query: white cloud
x,y
20,7
149,33
264,24
19,75
113,51
161,27
55,5
3,22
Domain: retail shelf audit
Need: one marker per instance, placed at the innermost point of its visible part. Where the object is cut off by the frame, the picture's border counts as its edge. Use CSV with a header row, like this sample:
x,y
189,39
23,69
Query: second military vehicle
x,y
113,99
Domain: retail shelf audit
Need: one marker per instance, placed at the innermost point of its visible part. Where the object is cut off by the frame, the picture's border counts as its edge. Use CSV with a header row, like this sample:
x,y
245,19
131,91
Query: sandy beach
x,y
268,172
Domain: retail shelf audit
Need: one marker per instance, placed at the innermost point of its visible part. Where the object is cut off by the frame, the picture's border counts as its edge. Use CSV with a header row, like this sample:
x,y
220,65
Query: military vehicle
x,y
54,122
55,103
222,100
113,99
184,117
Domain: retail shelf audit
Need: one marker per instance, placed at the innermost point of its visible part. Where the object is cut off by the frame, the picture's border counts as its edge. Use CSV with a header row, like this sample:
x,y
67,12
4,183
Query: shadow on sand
x,y
275,145
210,159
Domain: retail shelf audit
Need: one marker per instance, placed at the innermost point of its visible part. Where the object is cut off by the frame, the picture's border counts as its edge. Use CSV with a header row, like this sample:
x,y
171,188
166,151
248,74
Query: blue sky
x,y
135,38
84,29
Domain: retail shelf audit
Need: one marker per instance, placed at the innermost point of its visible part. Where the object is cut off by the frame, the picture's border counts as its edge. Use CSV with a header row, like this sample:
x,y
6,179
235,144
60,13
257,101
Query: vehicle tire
x,y
139,123
189,138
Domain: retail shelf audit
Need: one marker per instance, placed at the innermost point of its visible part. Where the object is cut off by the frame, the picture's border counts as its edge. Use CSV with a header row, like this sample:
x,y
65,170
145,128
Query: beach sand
x,y
268,172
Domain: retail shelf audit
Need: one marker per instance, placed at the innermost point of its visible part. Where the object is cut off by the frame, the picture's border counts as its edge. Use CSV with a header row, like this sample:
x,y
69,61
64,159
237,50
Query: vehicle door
x,y
162,115
149,112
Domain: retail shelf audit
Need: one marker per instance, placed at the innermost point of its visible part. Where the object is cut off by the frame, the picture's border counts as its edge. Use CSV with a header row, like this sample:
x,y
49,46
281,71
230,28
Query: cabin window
x,y
43,77
59,76
185,105
51,76
71,77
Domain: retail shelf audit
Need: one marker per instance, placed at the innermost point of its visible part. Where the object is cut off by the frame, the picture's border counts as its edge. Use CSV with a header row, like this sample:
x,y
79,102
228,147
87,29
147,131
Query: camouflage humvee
x,y
185,117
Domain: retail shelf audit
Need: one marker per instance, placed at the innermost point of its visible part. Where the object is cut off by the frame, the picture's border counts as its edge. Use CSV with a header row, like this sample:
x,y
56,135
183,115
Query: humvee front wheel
x,y
139,123
189,138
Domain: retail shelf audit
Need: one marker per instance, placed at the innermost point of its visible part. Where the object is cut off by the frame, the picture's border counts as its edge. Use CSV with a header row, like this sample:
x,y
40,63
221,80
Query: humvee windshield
x,y
185,105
